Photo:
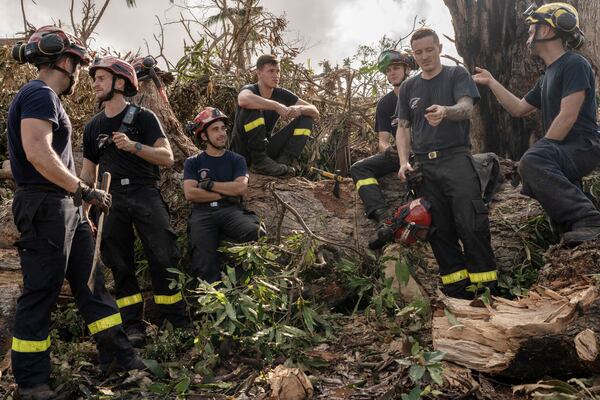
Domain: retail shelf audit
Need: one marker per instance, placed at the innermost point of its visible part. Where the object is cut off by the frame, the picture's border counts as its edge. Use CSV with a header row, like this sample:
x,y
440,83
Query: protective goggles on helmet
x,y
389,57
203,119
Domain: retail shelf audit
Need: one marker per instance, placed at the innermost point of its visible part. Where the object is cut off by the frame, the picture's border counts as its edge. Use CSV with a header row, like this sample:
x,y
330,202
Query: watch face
x,y
138,146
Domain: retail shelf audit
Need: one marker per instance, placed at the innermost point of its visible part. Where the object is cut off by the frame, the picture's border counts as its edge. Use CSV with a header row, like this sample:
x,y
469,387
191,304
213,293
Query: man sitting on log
x,y
259,107
396,66
128,141
437,105
552,169
215,182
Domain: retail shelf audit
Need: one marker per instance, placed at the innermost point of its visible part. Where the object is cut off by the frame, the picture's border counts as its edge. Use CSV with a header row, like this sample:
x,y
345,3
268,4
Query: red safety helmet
x,y
119,68
47,45
204,119
413,221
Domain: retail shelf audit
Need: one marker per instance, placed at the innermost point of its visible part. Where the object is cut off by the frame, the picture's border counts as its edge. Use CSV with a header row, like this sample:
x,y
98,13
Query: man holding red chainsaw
x,y
128,141
437,105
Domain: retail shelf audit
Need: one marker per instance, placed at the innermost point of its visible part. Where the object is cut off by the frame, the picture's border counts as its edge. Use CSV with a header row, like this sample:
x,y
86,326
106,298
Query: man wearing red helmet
x,y
396,66
132,151
259,107
56,242
215,181
434,109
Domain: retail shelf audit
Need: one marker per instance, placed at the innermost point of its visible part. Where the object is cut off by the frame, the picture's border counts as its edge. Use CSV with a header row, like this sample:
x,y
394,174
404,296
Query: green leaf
x,y
230,311
416,372
434,356
402,271
452,319
414,394
155,368
436,374
159,388
183,385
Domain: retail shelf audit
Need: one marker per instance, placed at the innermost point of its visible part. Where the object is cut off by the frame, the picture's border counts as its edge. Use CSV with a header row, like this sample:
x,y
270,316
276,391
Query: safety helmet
x,y
389,57
413,221
47,45
142,66
562,17
118,68
204,119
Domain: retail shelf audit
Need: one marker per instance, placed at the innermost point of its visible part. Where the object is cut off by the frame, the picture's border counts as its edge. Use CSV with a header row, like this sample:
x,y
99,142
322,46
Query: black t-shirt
x,y
385,113
417,94
220,169
146,129
279,95
569,74
37,100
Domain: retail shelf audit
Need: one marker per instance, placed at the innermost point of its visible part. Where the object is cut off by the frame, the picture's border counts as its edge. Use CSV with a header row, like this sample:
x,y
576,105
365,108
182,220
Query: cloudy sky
x,y
333,29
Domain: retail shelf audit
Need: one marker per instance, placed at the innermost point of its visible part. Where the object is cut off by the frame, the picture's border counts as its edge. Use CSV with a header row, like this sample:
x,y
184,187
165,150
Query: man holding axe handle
x,y
56,242
106,177
128,141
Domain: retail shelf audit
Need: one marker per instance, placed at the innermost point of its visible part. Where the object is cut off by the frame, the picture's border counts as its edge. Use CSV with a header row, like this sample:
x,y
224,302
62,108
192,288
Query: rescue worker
x,y
215,181
259,107
436,105
56,241
552,169
132,153
396,66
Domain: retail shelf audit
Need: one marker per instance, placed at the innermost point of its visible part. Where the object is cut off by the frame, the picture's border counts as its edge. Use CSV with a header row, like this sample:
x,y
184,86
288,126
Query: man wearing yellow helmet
x,y
553,167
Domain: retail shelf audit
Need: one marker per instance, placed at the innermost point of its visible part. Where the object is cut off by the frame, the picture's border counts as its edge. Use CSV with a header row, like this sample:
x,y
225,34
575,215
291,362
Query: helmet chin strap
x,y
110,94
71,76
535,40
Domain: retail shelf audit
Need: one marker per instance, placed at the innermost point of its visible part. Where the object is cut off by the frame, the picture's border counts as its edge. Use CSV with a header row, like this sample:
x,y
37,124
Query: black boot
x,y
262,164
580,235
289,160
39,392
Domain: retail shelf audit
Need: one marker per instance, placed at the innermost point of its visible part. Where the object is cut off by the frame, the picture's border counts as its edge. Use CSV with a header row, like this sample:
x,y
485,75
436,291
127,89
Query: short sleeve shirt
x,y
38,101
569,74
385,113
417,94
226,168
280,95
146,129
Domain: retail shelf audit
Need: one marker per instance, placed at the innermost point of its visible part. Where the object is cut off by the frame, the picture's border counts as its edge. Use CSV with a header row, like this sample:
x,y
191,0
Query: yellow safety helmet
x,y
561,16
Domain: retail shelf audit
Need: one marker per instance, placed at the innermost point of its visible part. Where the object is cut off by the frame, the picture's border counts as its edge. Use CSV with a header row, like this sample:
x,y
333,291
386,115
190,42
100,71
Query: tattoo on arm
x,y
403,123
461,111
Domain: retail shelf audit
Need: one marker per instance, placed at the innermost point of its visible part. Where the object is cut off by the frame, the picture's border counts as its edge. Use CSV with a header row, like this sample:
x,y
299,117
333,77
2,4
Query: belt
x,y
213,204
123,182
434,155
43,188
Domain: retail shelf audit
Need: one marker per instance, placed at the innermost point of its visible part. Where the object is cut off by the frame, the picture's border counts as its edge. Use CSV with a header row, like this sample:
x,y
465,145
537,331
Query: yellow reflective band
x,y
455,277
365,182
30,346
301,132
129,300
489,276
168,299
251,125
105,323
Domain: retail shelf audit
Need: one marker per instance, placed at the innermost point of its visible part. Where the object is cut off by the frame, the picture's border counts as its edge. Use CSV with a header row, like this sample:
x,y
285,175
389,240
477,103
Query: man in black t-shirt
x,y
55,240
553,167
215,182
396,66
437,105
259,107
132,155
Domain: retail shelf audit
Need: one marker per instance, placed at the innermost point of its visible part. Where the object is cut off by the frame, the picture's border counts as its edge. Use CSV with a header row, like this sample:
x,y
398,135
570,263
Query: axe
x,y
336,177
92,279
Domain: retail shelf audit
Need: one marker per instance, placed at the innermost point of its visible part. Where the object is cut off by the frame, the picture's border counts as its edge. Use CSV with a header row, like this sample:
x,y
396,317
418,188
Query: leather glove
x,y
96,197
207,185
415,177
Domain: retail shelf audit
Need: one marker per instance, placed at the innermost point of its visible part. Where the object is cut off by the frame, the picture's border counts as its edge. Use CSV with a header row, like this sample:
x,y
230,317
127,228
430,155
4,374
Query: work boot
x,y
39,392
580,235
266,166
289,160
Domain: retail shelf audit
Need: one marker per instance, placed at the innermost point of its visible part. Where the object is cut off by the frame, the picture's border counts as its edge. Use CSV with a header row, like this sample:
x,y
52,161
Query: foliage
x,y
425,368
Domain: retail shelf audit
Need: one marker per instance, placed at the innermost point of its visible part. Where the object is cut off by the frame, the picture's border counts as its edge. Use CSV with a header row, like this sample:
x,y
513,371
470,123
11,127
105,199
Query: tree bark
x,y
492,34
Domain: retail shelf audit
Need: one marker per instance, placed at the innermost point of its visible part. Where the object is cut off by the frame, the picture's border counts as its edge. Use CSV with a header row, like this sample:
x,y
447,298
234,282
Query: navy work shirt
x,y
225,168
37,100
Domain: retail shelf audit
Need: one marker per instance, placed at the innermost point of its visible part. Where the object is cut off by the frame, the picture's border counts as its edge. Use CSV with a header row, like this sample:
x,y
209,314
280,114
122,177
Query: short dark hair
x,y
266,59
424,32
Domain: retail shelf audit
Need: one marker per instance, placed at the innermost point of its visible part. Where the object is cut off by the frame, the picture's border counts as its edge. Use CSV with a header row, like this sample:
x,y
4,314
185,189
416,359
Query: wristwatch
x,y
138,147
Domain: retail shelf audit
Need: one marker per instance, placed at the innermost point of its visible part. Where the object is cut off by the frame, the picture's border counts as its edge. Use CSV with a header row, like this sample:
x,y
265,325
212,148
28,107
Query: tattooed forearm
x,y
461,111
